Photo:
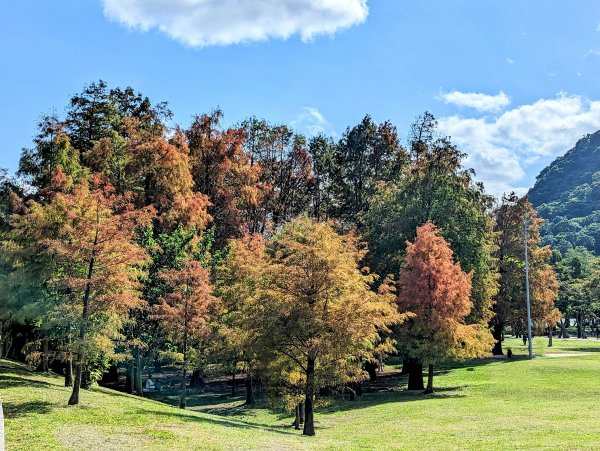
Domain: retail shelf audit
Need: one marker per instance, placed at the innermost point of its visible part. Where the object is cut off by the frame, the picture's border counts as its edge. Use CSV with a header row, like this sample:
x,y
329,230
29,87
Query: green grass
x,y
546,403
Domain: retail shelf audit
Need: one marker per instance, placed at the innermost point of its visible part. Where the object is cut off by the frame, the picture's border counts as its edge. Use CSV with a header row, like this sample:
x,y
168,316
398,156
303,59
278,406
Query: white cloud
x,y
591,52
479,101
312,122
510,61
502,148
201,23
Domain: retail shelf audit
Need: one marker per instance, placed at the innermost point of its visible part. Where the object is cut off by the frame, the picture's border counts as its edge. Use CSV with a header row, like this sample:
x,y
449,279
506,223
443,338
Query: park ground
x,y
551,402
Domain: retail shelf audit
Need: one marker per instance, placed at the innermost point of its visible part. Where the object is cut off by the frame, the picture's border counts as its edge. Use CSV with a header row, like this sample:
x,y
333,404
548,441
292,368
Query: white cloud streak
x,y
591,52
502,148
476,100
200,23
312,122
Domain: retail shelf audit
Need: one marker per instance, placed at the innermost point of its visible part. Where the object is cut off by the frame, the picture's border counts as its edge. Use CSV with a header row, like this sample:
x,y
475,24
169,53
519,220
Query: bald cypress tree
x,y
437,291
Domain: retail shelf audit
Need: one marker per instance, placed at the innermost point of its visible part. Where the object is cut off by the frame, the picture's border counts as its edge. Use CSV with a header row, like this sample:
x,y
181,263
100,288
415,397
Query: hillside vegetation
x,y
547,403
567,196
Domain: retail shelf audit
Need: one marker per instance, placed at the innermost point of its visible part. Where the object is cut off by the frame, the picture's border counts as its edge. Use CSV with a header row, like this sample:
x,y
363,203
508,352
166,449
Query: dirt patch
x,y
82,437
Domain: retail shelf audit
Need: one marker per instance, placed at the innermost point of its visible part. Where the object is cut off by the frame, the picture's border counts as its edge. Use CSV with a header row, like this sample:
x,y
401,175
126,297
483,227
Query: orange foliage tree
x,y
436,290
87,232
241,281
186,312
318,317
511,306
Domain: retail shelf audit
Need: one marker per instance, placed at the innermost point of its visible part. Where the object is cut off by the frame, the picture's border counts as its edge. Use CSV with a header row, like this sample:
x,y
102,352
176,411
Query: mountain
x,y
567,196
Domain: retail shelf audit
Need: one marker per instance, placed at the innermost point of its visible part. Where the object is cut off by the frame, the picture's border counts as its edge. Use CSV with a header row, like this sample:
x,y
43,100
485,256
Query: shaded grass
x,y
546,403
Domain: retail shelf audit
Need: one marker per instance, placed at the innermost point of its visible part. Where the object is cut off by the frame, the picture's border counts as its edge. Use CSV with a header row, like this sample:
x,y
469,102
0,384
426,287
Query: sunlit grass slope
x,y
547,403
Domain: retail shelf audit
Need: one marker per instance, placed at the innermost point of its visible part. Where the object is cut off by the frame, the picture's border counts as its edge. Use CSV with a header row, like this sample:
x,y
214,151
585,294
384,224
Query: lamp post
x,y
527,286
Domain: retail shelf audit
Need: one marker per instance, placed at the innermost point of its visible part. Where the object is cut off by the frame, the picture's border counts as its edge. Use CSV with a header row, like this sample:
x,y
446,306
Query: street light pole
x,y
527,286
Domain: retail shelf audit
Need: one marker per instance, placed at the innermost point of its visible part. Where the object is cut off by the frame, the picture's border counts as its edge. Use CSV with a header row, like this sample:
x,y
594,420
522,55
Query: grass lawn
x,y
547,403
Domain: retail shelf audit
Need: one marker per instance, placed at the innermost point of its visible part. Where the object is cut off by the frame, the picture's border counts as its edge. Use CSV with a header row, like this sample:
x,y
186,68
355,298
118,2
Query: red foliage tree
x,y
223,171
436,290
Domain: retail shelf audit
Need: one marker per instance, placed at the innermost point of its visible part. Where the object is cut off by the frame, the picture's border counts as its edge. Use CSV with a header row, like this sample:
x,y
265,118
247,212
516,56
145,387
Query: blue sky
x,y
515,83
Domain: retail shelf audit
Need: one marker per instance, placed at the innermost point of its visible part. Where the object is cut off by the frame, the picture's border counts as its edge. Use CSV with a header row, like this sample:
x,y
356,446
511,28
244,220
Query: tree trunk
x,y
249,390
86,378
429,390
297,419
233,384
112,376
69,373
182,401
309,421
129,378
74,399
301,410
497,334
157,365
138,386
197,379
579,318
45,355
371,368
562,328
405,365
415,375
549,337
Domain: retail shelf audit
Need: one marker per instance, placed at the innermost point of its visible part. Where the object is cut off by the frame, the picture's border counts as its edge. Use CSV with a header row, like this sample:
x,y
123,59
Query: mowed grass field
x,y
551,402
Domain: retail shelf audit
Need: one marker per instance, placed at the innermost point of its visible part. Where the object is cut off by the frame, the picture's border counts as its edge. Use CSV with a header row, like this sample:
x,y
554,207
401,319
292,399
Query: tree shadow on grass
x,y
15,381
211,400
221,421
12,410
398,394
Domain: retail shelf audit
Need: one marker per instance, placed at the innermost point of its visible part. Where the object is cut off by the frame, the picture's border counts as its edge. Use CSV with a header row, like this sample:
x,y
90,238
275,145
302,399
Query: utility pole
x,y
527,285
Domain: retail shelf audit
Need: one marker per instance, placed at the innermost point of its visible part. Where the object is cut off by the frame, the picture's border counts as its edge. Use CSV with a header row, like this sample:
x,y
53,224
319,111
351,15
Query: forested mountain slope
x,y
567,195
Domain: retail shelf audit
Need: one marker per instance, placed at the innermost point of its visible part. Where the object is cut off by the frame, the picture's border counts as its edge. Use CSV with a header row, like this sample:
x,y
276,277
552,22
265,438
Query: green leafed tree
x,y
435,187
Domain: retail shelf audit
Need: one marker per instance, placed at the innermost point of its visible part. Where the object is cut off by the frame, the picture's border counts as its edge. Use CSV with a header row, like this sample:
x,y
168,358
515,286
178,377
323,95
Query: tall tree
x,y
322,150
435,187
185,313
365,155
52,149
98,111
88,233
319,314
510,306
169,251
222,171
10,199
286,173
576,272
242,280
437,291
